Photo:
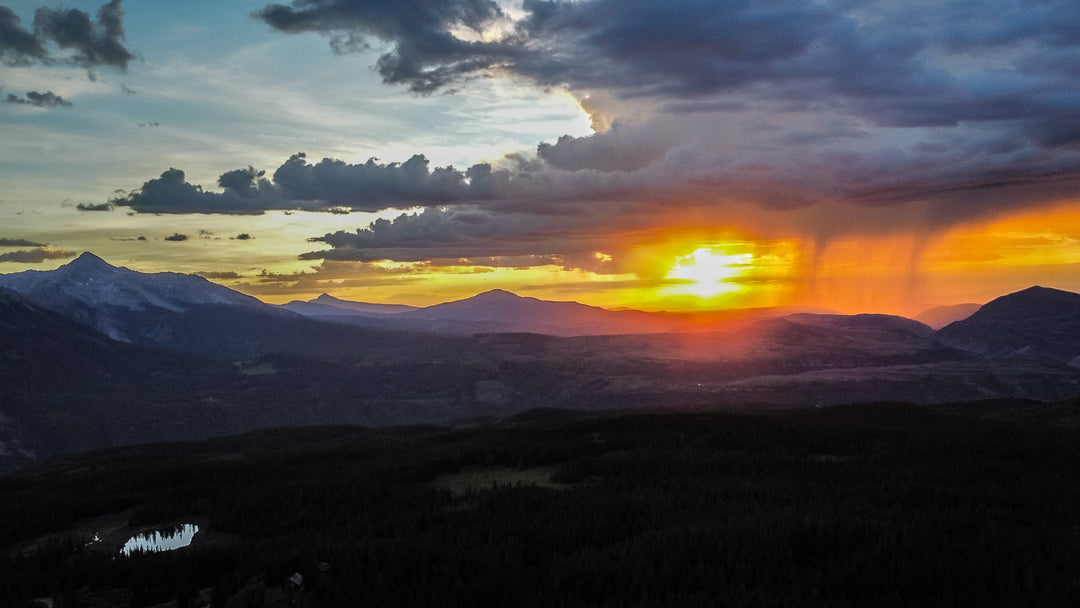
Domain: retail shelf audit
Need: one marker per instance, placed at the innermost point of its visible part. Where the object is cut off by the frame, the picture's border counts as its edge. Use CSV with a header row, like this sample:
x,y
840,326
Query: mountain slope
x,y
38,346
67,386
91,291
943,315
1037,322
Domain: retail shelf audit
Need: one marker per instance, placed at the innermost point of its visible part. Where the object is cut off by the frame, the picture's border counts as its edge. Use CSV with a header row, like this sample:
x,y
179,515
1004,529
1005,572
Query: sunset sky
x,y
857,155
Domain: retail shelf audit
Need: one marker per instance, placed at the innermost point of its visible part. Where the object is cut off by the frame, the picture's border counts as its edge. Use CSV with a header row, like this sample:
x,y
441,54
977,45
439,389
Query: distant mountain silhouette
x,y
501,311
505,311
328,306
943,315
1037,322
502,305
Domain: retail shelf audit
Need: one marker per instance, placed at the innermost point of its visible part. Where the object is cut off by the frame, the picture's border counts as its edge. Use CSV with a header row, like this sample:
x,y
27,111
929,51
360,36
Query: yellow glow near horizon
x,y
708,272
683,268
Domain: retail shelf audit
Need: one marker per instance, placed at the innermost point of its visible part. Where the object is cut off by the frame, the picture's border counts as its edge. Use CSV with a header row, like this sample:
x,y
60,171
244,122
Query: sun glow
x,y
708,272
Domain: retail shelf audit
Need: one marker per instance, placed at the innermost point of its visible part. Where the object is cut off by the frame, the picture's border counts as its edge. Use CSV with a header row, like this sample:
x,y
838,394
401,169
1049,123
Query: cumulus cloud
x,y
80,40
94,206
35,256
329,185
171,193
48,99
369,186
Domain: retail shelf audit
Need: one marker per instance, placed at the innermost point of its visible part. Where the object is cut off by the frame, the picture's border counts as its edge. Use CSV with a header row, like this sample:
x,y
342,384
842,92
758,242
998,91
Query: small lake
x,y
161,540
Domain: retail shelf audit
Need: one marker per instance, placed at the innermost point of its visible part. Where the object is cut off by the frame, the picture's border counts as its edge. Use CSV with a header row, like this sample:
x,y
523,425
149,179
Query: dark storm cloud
x,y
82,41
599,43
35,256
892,63
425,55
48,99
18,46
8,242
672,49
793,117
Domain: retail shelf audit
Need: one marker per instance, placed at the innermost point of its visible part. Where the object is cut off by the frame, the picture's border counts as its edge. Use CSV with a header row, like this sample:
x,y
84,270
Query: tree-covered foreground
x,y
872,505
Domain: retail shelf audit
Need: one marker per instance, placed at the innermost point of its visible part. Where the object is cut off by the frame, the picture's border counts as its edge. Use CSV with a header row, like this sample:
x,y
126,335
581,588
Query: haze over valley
x,y
97,356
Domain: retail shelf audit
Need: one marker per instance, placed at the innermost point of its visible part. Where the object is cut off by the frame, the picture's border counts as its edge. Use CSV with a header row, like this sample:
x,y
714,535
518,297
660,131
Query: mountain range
x,y
92,355
184,313
500,311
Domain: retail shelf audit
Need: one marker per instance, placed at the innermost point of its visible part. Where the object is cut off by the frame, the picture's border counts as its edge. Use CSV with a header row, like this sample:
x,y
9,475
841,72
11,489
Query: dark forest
x,y
868,505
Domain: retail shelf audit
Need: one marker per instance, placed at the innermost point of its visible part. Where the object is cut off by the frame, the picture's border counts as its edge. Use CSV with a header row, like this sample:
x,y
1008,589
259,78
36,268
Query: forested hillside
x,y
873,505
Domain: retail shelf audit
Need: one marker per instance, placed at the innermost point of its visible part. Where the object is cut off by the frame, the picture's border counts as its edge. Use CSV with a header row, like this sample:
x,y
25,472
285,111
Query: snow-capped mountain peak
x,y
88,286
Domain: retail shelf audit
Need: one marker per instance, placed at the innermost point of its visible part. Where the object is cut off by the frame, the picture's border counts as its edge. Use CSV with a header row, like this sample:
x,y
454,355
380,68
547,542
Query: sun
x,y
709,272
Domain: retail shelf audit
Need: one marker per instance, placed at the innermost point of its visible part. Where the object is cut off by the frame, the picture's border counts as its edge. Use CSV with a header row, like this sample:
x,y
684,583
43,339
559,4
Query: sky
x,y
855,155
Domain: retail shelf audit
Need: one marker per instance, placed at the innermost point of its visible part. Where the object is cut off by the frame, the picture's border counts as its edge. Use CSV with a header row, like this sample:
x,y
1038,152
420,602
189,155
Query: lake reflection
x,y
161,540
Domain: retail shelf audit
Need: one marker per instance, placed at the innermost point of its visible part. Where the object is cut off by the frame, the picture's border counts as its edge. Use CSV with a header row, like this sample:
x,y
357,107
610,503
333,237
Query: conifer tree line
x,y
873,505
